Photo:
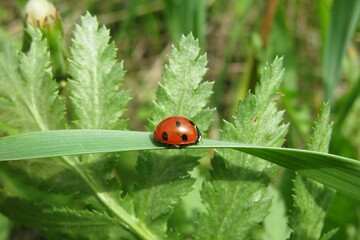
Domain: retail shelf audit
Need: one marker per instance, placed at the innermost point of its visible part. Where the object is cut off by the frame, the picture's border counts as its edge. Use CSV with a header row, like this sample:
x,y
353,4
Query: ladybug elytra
x,y
177,131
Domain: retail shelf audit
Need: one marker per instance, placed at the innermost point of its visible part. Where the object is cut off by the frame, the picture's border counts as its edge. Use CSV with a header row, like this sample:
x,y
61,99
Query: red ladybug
x,y
177,131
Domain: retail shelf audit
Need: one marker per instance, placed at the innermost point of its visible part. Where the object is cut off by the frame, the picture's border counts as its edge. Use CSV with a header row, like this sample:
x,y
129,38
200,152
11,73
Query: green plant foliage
x,y
96,76
235,196
312,199
25,184
275,225
98,103
181,92
184,17
29,96
89,197
334,171
344,19
5,227
62,222
160,183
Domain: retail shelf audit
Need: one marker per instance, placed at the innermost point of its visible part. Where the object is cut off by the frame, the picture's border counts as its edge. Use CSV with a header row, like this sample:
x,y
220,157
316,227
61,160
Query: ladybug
x,y
177,132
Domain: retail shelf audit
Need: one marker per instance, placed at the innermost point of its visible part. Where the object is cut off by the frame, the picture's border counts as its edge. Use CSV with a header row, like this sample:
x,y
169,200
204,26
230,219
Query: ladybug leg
x,y
174,146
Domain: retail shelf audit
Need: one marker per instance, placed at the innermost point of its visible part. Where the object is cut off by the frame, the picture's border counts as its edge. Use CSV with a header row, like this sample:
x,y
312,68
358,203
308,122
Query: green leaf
x,y
96,76
343,22
98,104
235,196
25,185
29,101
322,131
164,178
338,172
160,183
5,227
223,197
275,225
62,222
328,235
312,199
181,92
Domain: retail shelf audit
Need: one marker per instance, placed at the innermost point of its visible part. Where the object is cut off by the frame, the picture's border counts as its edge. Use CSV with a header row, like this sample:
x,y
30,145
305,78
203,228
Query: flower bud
x,y
43,15
40,13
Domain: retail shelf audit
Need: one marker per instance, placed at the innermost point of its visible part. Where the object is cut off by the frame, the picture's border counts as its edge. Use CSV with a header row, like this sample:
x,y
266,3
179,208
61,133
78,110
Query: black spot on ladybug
x,y
192,123
164,136
184,137
178,124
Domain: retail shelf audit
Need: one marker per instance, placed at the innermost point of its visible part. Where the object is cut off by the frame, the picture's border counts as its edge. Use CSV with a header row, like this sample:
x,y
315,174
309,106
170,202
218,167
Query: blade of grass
x,y
183,17
344,19
200,22
334,171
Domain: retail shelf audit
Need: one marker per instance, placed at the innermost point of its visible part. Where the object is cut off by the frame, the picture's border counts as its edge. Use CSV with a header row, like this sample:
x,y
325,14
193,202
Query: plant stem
x,y
127,220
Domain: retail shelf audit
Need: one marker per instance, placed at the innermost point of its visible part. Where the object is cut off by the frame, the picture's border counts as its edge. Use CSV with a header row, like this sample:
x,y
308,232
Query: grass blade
x,y
343,22
334,171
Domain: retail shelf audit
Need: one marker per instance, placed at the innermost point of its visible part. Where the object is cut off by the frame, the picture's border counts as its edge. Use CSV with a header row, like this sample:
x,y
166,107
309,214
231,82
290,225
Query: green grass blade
x,y
334,171
344,19
71,142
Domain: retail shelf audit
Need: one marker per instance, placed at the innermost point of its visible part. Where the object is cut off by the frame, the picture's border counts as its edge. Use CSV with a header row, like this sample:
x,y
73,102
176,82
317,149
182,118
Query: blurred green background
x,y
318,39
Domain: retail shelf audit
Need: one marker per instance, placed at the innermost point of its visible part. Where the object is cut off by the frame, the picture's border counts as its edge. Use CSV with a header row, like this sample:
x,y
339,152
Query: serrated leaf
x,y
321,136
29,96
328,235
165,182
96,76
161,182
275,225
181,92
256,121
228,215
29,102
62,222
17,183
98,104
312,199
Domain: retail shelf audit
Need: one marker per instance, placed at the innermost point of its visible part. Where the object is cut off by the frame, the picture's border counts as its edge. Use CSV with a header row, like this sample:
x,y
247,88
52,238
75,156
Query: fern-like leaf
x,y
29,96
160,183
98,104
235,196
181,92
96,76
163,178
312,199
63,223
29,101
